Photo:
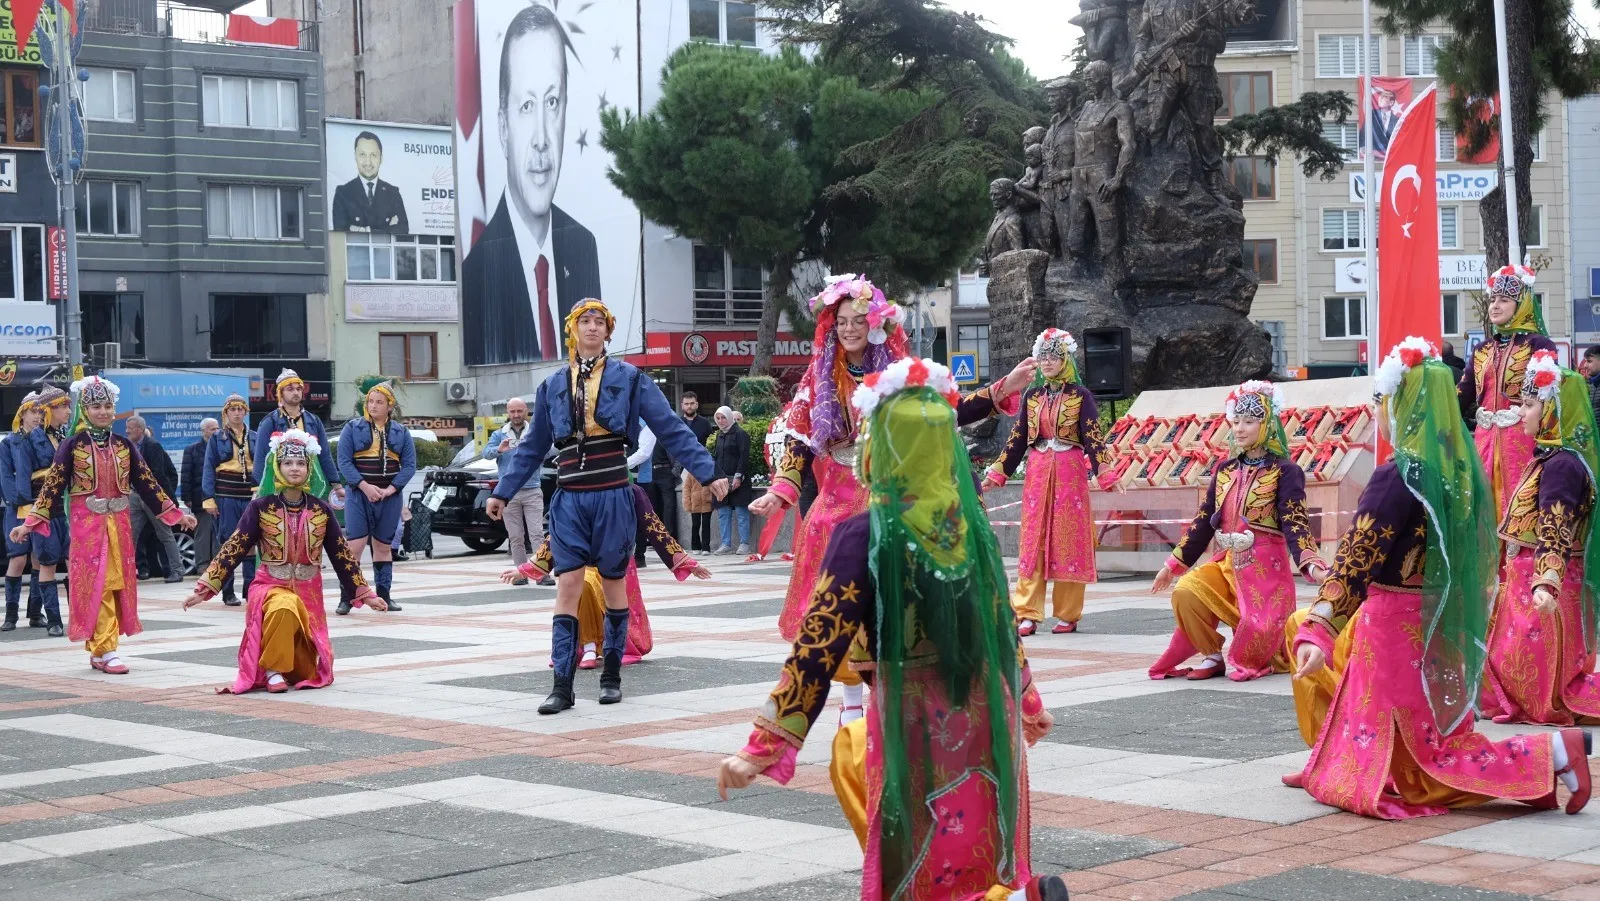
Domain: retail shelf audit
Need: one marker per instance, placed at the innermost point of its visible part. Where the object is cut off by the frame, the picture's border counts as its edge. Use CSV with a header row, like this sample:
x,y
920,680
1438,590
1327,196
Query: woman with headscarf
x,y
1492,384
859,335
93,473
1418,562
913,593
1255,509
1059,434
285,643
733,458
1542,632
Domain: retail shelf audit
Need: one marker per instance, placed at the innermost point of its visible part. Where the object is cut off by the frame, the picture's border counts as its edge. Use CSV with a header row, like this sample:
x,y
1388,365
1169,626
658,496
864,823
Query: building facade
x,y
1305,236
1583,185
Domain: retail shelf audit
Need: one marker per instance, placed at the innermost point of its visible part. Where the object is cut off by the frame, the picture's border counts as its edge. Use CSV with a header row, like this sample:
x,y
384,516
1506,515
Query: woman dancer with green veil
x,y
1419,563
1542,633
913,593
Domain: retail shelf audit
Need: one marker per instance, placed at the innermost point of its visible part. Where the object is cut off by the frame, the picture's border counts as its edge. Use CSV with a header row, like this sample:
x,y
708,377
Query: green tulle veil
x,y
942,600
1574,416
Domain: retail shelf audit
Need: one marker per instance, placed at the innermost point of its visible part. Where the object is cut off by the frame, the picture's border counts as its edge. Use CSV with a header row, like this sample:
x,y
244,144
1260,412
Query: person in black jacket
x,y
733,458
695,498
194,465
155,456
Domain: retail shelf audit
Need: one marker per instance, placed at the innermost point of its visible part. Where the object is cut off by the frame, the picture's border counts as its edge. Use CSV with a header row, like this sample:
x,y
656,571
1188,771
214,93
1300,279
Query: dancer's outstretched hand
x,y
766,505
1164,577
188,521
1308,660
700,571
735,772
509,575
194,600
719,489
20,533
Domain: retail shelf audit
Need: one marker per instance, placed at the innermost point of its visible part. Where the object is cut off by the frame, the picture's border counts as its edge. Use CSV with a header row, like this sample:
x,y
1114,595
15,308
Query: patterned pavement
x,y
425,771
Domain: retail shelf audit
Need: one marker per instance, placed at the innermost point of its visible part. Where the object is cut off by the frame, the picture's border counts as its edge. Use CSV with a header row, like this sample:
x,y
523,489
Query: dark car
x,y
457,496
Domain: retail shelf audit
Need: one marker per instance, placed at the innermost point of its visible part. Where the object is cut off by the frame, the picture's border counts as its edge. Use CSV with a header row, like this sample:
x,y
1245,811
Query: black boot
x,y
50,601
36,619
228,597
564,653
13,602
616,641
383,582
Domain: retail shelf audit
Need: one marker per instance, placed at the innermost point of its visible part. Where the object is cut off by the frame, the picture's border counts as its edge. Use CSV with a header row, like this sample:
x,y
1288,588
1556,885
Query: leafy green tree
x,y
1546,50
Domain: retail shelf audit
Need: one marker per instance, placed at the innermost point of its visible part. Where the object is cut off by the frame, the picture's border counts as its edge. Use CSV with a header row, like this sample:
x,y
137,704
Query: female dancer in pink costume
x,y
858,335
1419,563
285,643
1492,383
1542,632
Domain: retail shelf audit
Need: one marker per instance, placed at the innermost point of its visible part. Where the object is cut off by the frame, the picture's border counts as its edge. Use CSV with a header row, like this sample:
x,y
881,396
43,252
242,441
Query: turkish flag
x,y
25,17
264,31
1408,229
1484,111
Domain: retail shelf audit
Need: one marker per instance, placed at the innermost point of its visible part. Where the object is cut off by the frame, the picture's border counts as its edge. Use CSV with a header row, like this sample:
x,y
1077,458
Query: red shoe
x,y
588,662
277,688
1177,673
1577,743
1297,780
1026,628
1546,802
1046,888
1208,670
97,664
113,669
1167,666
1064,629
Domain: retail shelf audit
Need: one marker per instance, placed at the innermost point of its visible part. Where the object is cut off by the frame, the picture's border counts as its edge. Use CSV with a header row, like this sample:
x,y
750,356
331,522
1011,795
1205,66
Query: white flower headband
x,y
1246,400
1055,342
907,372
1402,358
1543,376
296,436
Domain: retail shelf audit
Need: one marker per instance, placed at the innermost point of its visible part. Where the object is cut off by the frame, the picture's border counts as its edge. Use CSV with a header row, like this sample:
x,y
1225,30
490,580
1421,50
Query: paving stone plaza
x,y
424,772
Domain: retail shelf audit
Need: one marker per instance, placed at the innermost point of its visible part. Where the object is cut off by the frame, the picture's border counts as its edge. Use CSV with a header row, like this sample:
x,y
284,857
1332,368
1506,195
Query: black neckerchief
x,y
380,434
294,422
580,400
57,433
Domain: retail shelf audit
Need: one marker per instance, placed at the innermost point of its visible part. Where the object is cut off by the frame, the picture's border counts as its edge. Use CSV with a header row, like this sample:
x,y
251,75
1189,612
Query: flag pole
x,y
1508,150
1369,229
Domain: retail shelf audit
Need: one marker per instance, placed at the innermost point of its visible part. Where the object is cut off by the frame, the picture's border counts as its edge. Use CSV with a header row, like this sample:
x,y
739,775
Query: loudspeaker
x,y
1108,362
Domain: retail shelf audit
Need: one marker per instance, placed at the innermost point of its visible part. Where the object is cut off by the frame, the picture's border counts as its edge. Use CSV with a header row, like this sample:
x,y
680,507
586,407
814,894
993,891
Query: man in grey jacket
x,y
524,515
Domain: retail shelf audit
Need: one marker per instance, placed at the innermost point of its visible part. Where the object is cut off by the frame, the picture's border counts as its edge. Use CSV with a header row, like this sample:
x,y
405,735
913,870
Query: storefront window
x,y
114,319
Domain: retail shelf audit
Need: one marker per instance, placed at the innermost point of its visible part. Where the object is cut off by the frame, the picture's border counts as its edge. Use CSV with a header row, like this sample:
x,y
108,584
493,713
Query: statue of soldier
x,y
1055,183
1105,31
1103,144
1006,232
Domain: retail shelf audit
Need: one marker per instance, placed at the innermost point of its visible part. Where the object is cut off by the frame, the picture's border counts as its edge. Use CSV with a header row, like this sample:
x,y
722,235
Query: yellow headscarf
x,y
587,305
27,404
385,389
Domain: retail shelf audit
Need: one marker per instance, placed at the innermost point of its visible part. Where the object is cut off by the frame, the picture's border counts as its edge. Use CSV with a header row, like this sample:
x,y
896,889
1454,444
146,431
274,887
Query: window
x,y
1344,317
109,208
1449,228
1275,329
410,355
1245,92
1254,177
1339,56
1533,229
1447,143
1341,229
975,339
1261,257
1346,136
109,95
1538,146
21,262
251,102
1450,314
723,22
114,319
1420,52
253,212
402,258
19,99
725,292
258,325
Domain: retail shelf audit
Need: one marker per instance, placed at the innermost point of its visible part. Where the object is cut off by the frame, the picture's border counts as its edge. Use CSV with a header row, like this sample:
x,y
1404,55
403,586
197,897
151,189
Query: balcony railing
x,y
161,19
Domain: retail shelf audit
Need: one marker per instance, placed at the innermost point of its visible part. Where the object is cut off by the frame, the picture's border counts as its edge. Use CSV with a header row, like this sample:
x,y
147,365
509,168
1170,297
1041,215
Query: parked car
x,y
458,495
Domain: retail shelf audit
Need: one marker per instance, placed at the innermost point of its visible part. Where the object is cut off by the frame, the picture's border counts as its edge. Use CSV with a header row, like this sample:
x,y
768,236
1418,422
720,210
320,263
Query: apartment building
x,y
1304,236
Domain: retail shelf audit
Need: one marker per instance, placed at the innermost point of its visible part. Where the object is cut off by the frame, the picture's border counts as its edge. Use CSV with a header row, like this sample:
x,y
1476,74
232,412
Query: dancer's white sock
x,y
274,677
1213,660
1558,754
853,695
1018,895
588,647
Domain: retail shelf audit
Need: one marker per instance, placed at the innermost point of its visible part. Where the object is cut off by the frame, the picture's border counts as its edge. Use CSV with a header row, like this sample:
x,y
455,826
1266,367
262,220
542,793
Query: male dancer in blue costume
x,y
591,411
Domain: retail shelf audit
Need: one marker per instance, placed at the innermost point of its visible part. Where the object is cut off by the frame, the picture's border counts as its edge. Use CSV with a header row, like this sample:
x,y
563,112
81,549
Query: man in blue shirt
x,y
524,513
591,411
228,483
290,414
376,456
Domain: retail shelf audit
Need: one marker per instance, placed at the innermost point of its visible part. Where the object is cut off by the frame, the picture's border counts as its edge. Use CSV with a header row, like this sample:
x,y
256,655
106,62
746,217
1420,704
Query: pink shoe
x,y
1208,670
1026,628
589,661
1064,629
1167,666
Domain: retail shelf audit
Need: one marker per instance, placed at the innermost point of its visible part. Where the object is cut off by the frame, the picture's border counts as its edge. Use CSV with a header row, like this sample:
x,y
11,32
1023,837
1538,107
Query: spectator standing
x,y
524,515
663,488
1590,367
733,458
155,457
194,464
696,497
641,464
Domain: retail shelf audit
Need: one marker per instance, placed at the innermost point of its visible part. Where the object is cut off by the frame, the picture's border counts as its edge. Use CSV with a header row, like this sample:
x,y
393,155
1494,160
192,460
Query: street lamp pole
x,y
65,173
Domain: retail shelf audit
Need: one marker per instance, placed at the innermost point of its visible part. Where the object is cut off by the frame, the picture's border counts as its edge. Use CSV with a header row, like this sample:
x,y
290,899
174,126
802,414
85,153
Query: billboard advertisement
x,y
390,179
541,227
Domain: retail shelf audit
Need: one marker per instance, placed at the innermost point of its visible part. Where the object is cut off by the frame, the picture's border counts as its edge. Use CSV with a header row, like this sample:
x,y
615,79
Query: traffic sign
x,y
964,367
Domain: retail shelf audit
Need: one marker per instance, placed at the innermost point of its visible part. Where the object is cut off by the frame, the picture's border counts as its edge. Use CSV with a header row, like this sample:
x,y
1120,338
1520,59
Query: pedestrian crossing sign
x,y
964,367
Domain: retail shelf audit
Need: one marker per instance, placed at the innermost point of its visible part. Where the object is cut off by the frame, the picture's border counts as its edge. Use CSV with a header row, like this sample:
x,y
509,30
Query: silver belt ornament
x,y
1499,419
292,572
845,454
104,505
1236,541
1054,444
